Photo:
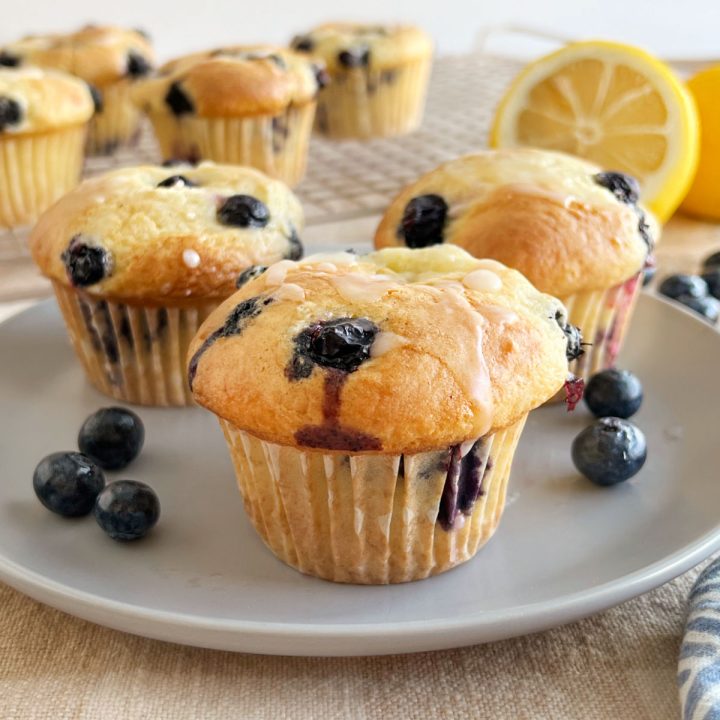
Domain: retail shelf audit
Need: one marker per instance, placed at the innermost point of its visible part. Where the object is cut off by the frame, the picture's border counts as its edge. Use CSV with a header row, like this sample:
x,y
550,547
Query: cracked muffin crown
x,y
167,234
398,351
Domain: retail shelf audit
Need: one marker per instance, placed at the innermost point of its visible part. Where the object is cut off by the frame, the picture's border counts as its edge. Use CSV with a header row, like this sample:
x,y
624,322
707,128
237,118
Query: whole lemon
x,y
703,199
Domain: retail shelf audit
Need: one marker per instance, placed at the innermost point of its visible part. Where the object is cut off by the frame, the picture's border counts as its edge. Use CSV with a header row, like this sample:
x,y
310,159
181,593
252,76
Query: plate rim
x,y
407,636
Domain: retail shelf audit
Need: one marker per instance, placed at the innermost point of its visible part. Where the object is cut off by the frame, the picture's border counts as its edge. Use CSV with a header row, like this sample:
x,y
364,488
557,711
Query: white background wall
x,y
669,27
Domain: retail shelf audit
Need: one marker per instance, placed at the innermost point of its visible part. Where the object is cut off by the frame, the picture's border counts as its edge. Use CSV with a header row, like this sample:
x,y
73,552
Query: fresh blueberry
x,y
609,451
112,437
711,261
247,275
624,187
302,43
10,112
86,264
8,59
137,65
354,57
97,98
176,181
243,211
614,393
675,286
423,221
178,101
708,306
68,483
712,278
127,509
343,344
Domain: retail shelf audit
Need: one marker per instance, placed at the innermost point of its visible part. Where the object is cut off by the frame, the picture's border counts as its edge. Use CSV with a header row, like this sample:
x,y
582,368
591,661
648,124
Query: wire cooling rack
x,y
345,179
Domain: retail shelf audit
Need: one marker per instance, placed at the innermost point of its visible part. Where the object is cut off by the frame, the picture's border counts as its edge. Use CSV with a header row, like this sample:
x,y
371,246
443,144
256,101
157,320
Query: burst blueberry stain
x,y
243,211
573,335
321,76
341,344
624,187
178,101
423,221
250,274
10,113
86,264
137,65
463,483
176,181
234,324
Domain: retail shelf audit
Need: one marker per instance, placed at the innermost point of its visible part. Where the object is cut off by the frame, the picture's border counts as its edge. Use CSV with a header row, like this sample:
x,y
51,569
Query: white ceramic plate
x,y
564,549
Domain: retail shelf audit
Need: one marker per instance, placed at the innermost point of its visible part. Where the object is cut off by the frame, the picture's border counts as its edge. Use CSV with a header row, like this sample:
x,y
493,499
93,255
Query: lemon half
x,y
613,104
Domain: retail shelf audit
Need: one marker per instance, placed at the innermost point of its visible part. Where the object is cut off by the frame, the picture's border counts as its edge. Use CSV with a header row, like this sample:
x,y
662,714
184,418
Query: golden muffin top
x,y
169,234
33,100
344,46
561,221
397,351
239,80
98,55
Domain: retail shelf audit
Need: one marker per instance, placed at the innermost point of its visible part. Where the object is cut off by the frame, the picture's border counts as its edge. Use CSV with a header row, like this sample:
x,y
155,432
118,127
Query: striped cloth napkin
x,y
699,665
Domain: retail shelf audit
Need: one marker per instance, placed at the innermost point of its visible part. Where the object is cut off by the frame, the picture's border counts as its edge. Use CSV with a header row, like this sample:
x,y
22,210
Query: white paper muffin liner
x,y
136,354
604,317
369,518
36,169
364,103
277,145
118,124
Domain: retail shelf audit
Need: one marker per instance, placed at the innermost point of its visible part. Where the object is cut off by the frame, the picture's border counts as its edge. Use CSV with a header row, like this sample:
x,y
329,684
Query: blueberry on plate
x,y
127,509
614,393
674,286
707,306
712,278
112,437
712,261
609,451
68,483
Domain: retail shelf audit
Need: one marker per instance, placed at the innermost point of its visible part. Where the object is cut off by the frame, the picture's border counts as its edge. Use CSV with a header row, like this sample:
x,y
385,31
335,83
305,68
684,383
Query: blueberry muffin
x,y
43,123
140,256
378,78
372,405
249,105
574,231
110,59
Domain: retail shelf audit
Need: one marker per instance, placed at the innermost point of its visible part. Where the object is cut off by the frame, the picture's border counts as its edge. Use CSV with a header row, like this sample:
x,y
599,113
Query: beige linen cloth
x,y
619,665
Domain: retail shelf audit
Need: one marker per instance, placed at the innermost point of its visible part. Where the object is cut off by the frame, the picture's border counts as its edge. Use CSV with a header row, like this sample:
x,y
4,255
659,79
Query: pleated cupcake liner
x,y
363,103
373,519
36,169
275,144
604,318
118,124
136,354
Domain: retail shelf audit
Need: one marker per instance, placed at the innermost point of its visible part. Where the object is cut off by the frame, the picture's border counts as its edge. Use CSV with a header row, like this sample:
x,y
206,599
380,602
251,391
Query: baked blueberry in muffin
x,y
140,256
572,229
381,398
